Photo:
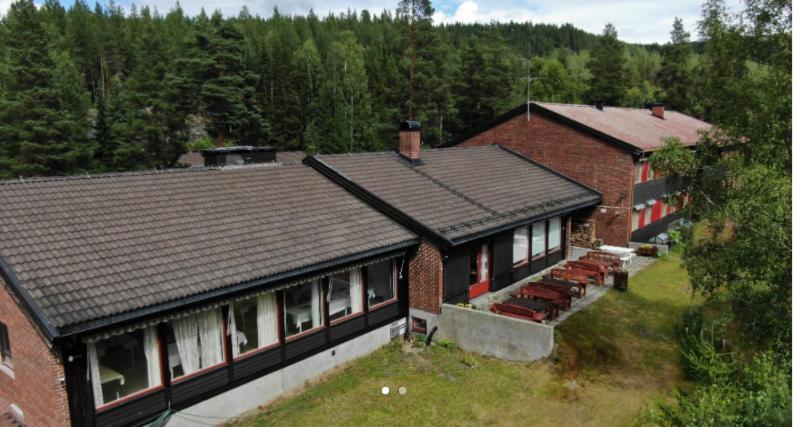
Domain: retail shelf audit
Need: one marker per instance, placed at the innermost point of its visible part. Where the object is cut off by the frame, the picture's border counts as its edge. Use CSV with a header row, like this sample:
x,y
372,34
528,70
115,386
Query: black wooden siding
x,y
133,411
255,363
654,228
456,275
651,190
502,263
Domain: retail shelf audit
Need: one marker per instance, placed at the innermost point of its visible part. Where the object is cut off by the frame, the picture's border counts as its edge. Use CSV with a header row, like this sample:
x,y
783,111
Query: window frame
x,y
225,351
323,309
542,253
363,298
257,350
549,249
395,288
6,354
140,393
525,260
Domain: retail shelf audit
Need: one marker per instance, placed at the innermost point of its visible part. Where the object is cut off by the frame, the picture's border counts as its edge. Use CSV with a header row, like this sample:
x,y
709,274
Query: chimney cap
x,y
600,104
410,125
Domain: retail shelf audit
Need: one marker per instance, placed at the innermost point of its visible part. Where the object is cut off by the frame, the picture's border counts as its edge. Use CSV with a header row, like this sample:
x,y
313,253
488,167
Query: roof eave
x,y
509,226
48,331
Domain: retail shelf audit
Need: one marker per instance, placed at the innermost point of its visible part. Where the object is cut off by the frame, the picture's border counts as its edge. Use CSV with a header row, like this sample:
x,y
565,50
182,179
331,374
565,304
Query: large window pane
x,y
538,239
555,233
255,323
124,364
194,342
520,245
344,294
380,283
302,308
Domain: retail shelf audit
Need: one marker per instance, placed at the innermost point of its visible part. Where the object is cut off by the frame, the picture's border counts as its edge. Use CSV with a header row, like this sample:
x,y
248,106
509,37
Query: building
x,y
125,295
211,290
606,148
488,216
196,158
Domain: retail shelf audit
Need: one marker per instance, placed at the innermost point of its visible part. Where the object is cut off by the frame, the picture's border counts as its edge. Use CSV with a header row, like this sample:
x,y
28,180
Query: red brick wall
x,y
426,274
578,155
37,387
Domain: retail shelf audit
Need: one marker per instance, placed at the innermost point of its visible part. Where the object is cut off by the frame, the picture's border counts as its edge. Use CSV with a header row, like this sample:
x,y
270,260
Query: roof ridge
x,y
123,174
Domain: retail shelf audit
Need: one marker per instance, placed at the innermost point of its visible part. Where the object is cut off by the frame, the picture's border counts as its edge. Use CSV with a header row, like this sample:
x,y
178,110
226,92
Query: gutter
x,y
209,297
378,203
47,329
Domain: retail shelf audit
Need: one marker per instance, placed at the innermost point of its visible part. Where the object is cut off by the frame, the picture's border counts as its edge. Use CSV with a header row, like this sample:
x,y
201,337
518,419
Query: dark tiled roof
x,y
634,126
458,192
87,248
195,159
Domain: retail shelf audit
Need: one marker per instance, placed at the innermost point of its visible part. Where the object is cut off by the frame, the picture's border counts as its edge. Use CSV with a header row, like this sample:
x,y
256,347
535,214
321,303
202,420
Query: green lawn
x,y
612,359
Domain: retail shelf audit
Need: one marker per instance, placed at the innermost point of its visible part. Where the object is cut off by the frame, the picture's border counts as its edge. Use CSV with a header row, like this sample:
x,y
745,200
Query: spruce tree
x,y
607,68
674,77
42,115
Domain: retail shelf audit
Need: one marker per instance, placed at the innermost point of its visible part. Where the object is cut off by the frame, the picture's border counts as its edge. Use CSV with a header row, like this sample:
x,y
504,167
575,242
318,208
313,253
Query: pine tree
x,y
307,68
42,115
418,13
674,75
607,68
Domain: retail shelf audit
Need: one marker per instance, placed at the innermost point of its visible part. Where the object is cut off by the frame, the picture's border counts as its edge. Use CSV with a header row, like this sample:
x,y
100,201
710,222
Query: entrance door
x,y
480,263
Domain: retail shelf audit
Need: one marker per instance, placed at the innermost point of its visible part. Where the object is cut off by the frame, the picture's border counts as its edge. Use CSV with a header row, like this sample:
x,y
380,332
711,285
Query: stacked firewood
x,y
583,234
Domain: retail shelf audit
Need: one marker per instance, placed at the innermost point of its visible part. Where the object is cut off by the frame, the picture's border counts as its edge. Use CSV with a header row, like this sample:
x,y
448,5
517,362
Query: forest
x,y
108,89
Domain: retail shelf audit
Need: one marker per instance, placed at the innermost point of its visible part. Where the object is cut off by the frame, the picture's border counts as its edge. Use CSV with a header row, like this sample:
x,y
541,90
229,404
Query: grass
x,y
612,359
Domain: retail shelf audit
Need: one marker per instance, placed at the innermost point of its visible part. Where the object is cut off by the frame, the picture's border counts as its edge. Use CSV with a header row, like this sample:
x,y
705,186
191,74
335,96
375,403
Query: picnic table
x,y
568,288
536,311
625,254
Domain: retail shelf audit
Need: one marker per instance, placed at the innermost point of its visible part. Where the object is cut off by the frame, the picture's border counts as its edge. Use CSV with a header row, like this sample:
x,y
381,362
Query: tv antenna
x,y
529,78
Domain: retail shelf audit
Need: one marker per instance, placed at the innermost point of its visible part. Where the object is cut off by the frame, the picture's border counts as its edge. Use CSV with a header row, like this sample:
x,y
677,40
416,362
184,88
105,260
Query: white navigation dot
x,y
402,390
385,390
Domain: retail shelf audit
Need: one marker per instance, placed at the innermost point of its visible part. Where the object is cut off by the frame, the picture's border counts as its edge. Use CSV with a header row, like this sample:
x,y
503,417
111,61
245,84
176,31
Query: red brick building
x,y
606,148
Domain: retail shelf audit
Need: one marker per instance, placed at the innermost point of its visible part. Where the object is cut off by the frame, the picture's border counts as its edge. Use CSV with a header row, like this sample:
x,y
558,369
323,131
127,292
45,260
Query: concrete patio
x,y
484,302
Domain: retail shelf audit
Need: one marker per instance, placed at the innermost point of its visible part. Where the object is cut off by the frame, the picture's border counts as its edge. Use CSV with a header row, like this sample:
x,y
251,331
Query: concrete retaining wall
x,y
249,396
494,335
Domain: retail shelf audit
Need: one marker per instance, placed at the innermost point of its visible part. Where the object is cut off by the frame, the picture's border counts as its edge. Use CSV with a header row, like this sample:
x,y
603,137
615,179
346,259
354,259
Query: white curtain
x,y
232,330
186,335
210,323
356,299
483,273
150,348
96,381
317,312
266,321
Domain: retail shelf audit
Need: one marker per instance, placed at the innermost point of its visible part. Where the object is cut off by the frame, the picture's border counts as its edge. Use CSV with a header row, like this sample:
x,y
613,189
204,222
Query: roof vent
x,y
240,155
411,141
600,104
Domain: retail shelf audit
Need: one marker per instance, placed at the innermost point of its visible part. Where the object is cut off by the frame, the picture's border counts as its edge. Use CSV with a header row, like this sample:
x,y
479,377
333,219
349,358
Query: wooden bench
x,y
571,289
591,269
580,277
581,288
521,312
561,300
612,262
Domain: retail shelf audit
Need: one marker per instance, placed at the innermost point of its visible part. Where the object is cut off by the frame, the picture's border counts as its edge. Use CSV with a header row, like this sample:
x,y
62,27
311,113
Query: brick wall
x,y
426,273
578,155
37,387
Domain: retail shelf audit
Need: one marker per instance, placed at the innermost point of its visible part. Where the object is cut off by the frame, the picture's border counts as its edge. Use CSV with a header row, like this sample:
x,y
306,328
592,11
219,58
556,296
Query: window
x,y
5,347
124,364
538,239
303,308
418,325
254,323
555,233
520,245
381,284
345,295
194,342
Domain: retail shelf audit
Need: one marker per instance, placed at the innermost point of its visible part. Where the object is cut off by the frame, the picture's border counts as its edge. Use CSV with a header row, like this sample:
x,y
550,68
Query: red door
x,y
481,277
641,222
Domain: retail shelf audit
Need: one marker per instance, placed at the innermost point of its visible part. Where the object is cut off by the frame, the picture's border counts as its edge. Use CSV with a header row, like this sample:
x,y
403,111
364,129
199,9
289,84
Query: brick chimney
x,y
657,110
411,141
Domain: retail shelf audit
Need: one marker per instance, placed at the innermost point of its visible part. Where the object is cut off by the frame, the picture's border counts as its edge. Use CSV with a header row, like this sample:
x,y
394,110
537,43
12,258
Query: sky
x,y
637,21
